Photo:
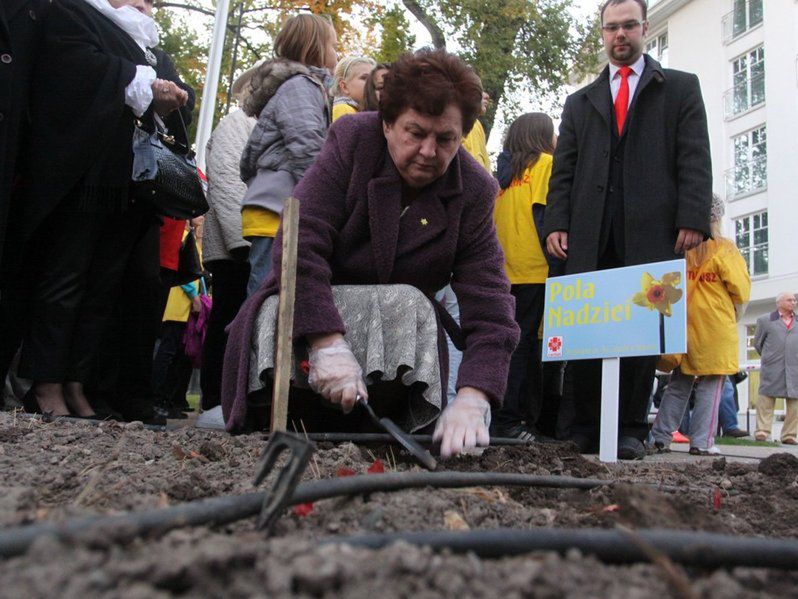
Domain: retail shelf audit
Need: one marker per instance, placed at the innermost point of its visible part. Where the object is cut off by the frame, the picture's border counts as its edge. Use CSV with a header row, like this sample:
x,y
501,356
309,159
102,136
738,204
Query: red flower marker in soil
x,y
376,467
303,509
716,500
343,471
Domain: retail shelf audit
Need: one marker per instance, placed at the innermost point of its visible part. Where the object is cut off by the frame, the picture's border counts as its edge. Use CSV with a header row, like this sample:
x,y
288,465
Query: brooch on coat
x,y
150,57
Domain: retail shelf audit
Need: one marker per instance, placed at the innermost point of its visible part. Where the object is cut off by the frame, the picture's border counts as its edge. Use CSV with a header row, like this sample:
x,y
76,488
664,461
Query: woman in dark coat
x,y
77,224
392,201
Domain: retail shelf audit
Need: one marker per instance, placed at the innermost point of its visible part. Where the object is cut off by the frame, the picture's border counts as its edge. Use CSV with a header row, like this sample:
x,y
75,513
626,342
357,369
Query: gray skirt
x,y
393,333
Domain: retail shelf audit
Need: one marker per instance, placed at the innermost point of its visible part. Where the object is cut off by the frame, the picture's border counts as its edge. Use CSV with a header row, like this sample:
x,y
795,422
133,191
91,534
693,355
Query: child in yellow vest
x,y
349,83
526,165
718,286
476,143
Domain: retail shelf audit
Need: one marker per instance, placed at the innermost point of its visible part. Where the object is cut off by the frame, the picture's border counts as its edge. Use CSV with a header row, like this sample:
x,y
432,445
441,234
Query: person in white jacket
x,y
225,251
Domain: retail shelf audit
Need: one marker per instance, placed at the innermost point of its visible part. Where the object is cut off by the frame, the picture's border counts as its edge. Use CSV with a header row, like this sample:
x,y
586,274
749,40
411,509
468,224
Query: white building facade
x,y
745,53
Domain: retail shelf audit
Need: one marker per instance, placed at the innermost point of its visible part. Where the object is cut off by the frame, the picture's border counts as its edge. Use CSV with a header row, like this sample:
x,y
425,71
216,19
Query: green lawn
x,y
749,442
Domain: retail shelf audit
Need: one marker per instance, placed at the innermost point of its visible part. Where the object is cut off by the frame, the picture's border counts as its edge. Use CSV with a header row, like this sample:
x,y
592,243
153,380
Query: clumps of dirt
x,y
51,472
538,458
10,435
645,507
204,563
779,464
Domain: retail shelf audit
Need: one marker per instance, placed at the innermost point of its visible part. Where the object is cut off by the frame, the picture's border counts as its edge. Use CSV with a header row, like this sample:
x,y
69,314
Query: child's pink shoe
x,y
680,438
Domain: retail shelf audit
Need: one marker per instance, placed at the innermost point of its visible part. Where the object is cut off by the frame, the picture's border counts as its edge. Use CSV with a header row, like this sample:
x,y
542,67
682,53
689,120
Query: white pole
x,y
610,381
205,122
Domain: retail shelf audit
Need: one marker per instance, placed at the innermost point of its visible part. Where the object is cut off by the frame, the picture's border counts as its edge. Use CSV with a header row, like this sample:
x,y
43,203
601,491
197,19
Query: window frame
x,y
748,80
754,162
655,42
750,250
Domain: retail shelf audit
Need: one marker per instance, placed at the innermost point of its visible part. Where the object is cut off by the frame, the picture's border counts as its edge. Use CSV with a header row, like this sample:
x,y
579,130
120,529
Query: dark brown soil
x,y
51,472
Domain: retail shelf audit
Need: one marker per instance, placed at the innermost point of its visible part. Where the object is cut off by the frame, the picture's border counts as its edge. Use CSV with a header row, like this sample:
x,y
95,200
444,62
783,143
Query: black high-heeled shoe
x,y
31,406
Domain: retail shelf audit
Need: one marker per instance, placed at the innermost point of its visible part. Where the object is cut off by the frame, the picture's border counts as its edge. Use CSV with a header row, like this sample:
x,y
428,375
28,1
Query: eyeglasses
x,y
614,27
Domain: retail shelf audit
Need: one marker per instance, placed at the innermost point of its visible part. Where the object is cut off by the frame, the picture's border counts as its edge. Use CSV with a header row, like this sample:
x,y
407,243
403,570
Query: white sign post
x,y
610,381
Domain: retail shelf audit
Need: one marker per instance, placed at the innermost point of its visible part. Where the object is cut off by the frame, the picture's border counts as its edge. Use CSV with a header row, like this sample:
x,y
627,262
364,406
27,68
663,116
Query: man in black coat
x,y
19,38
631,184
20,28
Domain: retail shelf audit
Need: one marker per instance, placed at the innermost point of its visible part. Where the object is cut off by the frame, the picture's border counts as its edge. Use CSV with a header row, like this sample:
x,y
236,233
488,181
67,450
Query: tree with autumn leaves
x,y
516,46
526,46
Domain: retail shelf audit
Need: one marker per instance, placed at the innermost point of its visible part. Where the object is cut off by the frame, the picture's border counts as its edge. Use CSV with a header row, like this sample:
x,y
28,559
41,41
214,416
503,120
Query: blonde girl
x,y
288,96
349,82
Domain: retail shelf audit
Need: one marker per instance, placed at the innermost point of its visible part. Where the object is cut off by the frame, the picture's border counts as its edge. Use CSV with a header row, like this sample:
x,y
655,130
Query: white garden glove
x,y
336,375
464,423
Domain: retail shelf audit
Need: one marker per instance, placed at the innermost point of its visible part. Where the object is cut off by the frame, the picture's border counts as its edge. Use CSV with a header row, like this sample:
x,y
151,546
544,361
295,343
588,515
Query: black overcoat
x,y
667,171
81,130
20,22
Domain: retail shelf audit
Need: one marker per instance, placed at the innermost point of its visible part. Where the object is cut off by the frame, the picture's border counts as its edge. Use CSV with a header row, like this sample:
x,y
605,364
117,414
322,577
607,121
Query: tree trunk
x,y
438,39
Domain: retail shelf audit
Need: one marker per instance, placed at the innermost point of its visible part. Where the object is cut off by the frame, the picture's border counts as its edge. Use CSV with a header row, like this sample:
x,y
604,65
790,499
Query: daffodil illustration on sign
x,y
659,294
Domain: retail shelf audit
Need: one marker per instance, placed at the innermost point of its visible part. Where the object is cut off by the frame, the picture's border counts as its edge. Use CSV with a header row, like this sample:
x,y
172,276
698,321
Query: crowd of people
x,y
420,277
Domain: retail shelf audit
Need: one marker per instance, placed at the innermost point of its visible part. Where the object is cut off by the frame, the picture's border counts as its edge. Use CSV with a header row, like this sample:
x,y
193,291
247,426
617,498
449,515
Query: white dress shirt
x,y
634,78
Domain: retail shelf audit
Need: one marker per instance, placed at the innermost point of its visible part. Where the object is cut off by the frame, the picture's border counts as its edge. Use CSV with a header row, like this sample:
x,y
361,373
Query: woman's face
x,y
331,50
423,146
378,76
355,82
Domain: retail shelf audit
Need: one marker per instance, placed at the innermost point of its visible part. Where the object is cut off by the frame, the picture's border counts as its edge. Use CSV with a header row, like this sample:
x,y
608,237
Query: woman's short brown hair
x,y
303,38
428,81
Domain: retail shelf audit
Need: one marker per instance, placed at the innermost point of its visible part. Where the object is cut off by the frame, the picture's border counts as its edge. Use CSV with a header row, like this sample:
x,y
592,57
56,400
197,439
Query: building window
x,y
751,235
745,15
748,77
657,48
750,171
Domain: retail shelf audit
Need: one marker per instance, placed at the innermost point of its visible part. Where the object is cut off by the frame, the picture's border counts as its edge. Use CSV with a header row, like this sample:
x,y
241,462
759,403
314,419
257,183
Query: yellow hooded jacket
x,y
713,290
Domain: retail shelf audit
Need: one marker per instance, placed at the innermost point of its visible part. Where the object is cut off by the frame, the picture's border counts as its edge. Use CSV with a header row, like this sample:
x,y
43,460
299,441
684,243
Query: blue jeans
x,y
260,261
727,415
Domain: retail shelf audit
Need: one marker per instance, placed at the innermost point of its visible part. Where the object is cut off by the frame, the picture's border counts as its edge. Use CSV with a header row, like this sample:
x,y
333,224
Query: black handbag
x,y
189,266
165,174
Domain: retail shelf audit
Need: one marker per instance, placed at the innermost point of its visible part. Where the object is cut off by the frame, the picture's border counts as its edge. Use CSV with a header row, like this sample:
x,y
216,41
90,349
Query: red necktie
x,y
622,99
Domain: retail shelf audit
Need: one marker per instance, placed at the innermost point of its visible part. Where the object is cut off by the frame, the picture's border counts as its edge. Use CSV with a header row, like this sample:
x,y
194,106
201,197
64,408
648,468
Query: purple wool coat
x,y
352,231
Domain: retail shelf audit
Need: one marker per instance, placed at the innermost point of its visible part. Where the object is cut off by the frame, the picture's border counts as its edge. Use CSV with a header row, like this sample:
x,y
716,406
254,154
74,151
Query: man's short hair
x,y
642,3
784,295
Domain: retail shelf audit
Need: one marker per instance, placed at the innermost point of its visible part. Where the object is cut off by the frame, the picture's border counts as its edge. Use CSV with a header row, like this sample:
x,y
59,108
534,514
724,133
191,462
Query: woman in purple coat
x,y
391,211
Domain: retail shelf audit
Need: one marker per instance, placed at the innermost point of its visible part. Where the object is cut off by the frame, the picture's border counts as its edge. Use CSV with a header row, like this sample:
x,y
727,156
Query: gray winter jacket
x,y
294,115
778,347
222,231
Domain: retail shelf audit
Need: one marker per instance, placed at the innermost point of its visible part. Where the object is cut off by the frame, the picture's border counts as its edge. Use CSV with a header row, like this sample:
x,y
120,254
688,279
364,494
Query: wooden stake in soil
x,y
285,316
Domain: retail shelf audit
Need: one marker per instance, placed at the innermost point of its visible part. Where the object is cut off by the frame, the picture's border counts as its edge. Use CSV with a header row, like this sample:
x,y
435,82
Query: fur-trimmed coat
x,y
353,230
291,104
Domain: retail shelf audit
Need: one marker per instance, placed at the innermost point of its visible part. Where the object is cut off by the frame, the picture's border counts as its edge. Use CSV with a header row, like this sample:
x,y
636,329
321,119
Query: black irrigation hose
x,y
700,549
317,437
384,438
230,508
